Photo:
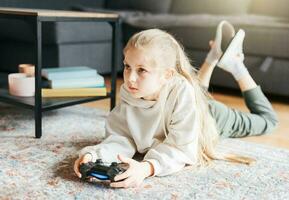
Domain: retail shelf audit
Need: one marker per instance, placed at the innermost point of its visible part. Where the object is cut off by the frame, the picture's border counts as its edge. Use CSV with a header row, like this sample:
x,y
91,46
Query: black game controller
x,y
101,171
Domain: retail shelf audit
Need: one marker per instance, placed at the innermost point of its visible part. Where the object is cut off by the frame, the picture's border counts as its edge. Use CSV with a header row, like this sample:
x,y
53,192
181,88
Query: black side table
x,y
35,18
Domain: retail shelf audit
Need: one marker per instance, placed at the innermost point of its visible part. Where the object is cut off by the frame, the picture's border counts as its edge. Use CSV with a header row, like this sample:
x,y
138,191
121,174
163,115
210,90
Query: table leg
x,y
115,62
38,98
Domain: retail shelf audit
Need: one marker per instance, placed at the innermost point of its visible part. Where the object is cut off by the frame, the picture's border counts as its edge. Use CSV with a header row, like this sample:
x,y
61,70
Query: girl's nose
x,y
132,76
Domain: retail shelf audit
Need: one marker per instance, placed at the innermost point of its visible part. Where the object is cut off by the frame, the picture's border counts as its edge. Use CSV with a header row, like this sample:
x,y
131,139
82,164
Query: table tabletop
x,y
56,13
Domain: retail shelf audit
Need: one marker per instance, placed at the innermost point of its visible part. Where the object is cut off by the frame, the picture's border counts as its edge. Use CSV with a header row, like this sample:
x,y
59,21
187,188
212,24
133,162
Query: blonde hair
x,y
173,55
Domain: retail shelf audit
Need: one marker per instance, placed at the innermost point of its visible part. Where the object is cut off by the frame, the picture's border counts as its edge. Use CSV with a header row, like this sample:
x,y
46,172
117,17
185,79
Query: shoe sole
x,y
233,44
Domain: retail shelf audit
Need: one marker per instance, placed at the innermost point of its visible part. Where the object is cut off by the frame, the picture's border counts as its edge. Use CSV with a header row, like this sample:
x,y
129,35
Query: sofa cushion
x,y
159,6
267,40
57,32
219,7
264,35
279,8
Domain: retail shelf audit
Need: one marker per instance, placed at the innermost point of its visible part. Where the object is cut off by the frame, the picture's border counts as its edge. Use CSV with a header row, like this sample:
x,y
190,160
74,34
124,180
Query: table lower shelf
x,y
47,103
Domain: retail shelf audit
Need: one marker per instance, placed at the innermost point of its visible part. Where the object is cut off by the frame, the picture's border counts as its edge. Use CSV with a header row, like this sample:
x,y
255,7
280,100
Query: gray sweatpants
x,y
233,123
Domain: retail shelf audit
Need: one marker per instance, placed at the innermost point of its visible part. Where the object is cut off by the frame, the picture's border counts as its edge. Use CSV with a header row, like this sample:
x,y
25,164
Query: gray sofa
x,y
193,22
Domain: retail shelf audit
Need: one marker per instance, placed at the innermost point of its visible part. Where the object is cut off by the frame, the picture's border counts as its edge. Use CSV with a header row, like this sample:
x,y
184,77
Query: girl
x,y
166,114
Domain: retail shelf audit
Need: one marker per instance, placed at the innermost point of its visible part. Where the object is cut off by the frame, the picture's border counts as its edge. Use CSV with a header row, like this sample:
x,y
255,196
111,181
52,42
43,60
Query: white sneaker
x,y
225,31
234,49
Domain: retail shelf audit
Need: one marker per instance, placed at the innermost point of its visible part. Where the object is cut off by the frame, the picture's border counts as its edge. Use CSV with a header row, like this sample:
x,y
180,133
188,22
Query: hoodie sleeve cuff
x,y
253,93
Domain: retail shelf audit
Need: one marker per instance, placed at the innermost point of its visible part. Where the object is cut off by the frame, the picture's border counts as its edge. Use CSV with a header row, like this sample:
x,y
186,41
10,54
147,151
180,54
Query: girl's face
x,y
142,77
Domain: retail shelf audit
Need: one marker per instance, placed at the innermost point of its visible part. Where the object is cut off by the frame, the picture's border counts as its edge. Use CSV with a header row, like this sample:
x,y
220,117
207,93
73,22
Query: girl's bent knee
x,y
272,124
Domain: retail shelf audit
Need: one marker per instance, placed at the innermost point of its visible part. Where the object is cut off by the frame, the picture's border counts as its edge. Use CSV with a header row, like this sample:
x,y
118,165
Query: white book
x,y
68,72
97,81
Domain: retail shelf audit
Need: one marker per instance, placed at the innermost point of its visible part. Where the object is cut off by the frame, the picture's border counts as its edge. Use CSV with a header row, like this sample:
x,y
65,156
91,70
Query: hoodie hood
x,y
136,102
142,103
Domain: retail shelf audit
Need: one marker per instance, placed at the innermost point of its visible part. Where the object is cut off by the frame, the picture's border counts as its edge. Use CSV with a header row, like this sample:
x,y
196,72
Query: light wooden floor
x,y
280,137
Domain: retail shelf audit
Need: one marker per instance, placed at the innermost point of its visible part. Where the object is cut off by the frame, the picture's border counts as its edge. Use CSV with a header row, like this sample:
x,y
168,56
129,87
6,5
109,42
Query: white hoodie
x,y
137,125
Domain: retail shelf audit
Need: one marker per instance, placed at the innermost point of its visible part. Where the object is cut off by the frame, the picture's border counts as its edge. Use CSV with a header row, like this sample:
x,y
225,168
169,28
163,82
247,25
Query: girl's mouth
x,y
132,89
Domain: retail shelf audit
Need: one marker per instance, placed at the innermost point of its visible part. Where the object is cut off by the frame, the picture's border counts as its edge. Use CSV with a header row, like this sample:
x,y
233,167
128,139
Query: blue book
x,y
86,82
68,72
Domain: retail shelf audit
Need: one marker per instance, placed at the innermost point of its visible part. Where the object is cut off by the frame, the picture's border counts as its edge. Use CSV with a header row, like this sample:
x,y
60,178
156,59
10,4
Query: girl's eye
x,y
141,70
126,67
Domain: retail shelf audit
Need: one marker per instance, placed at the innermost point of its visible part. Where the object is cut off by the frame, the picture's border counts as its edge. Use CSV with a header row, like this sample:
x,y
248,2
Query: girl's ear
x,y
169,73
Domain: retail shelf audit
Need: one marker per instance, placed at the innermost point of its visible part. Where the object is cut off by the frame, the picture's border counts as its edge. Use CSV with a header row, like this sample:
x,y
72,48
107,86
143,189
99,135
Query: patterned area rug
x,y
43,168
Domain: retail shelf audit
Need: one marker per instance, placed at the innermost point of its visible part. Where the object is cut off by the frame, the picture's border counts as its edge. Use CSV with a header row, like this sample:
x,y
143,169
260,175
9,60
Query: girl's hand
x,y
134,175
84,159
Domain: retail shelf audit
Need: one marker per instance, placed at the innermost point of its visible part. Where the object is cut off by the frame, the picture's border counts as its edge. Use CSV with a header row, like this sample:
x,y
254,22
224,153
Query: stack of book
x,y
78,81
